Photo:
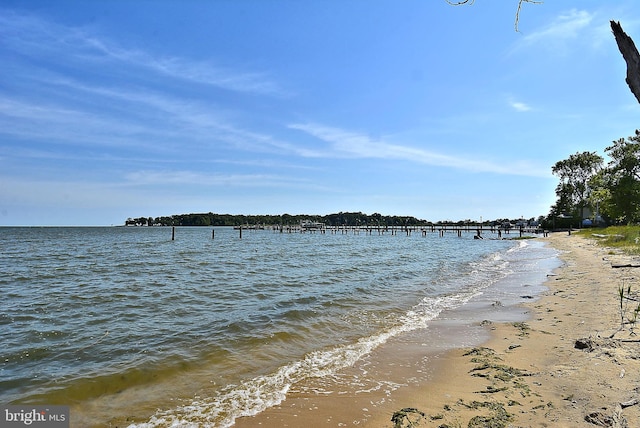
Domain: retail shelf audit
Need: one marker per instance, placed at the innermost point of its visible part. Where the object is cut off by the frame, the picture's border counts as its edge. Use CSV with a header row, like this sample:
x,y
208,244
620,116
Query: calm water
x,y
110,319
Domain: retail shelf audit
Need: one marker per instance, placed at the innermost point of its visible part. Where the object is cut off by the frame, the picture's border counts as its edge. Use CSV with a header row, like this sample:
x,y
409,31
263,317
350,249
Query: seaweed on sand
x,y
410,415
498,418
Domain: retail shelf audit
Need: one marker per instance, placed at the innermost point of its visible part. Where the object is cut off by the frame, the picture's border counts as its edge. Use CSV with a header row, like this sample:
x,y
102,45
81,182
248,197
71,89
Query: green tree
x,y
600,197
622,179
575,174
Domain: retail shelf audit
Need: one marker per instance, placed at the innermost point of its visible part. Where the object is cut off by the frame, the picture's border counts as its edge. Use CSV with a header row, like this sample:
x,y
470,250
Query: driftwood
x,y
628,265
631,56
619,421
630,403
602,420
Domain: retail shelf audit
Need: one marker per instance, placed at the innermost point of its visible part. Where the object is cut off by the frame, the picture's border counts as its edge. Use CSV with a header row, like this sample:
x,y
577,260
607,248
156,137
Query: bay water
x,y
125,324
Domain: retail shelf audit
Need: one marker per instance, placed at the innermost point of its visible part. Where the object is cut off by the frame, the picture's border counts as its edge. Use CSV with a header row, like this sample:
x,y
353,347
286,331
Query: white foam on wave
x,y
260,393
522,244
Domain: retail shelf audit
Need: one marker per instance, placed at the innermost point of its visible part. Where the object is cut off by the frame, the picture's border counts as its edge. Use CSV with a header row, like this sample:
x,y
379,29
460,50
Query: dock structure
x,y
441,229
424,230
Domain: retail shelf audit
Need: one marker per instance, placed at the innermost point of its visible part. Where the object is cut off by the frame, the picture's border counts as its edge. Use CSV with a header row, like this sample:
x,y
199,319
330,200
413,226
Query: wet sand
x,y
518,368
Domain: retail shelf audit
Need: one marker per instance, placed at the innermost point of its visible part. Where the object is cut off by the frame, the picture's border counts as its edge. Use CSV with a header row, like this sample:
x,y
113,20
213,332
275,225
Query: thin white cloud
x,y
30,35
519,106
567,26
70,126
349,144
155,178
185,69
58,192
197,178
62,109
150,118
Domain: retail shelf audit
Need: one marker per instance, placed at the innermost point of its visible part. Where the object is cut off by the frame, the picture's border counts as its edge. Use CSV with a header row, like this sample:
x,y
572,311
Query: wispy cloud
x,y
202,179
95,94
184,69
350,144
567,26
24,119
193,179
130,117
58,192
60,124
519,106
32,36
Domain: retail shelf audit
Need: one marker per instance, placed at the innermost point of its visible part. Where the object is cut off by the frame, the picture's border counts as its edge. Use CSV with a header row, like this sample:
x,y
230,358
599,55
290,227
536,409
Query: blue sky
x,y
116,109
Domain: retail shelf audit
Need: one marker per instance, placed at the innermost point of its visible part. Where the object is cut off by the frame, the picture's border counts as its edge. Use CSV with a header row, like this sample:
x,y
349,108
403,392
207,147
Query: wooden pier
x,y
479,230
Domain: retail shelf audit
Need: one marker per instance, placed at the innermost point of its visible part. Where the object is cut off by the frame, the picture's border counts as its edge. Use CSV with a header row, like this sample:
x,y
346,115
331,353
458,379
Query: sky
x,y
117,109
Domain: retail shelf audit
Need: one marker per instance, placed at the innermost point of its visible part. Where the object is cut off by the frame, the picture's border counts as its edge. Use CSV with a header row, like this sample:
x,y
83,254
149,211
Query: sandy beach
x,y
557,368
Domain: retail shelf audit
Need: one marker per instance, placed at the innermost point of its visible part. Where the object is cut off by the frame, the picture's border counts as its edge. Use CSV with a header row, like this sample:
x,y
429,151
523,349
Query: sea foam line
x,y
260,393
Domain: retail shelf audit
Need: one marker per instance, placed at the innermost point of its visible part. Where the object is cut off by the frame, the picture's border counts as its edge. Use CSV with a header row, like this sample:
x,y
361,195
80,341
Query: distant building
x,y
311,225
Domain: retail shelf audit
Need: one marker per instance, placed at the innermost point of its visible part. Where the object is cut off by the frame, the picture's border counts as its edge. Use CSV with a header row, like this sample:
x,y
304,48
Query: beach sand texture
x,y
528,374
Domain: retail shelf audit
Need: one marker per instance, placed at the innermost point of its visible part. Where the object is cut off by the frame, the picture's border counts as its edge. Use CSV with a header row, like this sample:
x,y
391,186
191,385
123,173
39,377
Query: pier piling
x,y
367,230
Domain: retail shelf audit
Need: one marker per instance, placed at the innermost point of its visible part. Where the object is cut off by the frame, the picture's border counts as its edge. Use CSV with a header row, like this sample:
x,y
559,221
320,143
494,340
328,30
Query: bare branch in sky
x,y
463,2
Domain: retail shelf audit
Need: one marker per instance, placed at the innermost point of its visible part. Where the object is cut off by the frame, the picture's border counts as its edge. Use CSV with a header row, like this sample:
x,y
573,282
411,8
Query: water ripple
x,y
93,311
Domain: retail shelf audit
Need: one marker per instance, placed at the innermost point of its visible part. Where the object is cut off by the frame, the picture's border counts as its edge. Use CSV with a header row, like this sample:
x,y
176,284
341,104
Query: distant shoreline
x,y
335,219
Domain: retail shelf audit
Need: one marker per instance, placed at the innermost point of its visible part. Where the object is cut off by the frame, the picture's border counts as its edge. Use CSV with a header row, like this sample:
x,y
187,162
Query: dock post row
x,y
381,230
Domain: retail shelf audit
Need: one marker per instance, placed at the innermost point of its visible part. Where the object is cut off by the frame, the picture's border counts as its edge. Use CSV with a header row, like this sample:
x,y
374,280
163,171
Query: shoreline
x,y
548,381
521,373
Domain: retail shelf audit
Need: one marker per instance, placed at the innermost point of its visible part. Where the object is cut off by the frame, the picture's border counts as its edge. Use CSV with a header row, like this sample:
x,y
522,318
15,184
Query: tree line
x,y
603,193
337,219
211,219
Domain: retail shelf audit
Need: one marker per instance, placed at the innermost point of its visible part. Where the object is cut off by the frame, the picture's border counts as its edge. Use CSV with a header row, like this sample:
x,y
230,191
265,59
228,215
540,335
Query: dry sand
x,y
528,374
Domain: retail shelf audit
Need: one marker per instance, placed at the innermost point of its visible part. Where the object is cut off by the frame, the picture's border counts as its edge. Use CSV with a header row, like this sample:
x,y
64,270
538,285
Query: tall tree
x,y
575,174
623,178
